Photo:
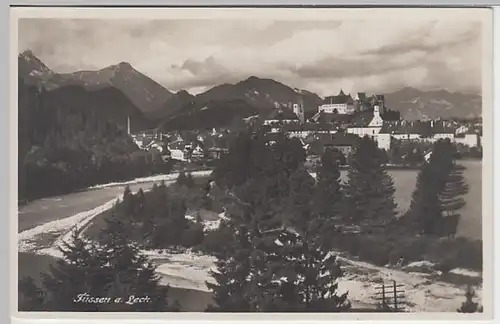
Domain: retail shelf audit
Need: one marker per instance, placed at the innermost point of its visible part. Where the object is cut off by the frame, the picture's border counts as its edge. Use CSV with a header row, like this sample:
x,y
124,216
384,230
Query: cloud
x,y
321,56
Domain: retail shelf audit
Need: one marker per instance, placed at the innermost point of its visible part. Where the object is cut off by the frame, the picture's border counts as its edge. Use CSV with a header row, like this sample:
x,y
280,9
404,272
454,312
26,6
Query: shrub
x,y
384,248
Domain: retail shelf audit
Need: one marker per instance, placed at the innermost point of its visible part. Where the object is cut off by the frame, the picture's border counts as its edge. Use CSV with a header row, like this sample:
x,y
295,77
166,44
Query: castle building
x,y
340,104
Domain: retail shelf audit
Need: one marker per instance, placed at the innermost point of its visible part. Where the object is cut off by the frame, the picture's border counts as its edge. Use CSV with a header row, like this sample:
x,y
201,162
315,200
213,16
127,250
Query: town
x,y
338,123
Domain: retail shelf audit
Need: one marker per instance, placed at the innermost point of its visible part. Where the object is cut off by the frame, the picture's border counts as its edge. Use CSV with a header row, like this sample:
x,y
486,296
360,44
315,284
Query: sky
x,y
373,55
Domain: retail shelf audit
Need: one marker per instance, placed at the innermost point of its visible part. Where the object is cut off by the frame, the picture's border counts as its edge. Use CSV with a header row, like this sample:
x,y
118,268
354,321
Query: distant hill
x,y
263,94
212,114
416,104
173,105
258,94
106,104
146,94
221,105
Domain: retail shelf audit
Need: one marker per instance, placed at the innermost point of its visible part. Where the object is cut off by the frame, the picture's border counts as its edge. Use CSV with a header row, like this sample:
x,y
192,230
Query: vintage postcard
x,y
207,162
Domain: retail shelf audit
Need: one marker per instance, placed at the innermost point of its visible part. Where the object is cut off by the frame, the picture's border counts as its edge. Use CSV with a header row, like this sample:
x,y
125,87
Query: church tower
x,y
298,110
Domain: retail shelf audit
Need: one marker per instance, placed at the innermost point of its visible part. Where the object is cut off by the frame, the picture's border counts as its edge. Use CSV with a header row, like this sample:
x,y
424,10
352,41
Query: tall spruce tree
x,y
437,193
328,192
259,272
113,269
369,191
79,271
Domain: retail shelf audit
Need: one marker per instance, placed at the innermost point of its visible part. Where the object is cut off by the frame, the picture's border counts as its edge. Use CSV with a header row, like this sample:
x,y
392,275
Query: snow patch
x,y
183,270
420,266
466,273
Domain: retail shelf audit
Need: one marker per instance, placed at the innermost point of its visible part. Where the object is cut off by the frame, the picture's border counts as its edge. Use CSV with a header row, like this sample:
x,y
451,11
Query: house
x,y
176,154
303,131
156,145
280,117
341,104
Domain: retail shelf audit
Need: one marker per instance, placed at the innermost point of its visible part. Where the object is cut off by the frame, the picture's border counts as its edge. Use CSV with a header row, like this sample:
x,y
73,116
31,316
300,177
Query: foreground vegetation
x,y
274,249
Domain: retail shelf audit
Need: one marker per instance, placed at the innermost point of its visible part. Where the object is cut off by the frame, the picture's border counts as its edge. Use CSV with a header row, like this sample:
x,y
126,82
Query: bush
x,y
215,241
383,248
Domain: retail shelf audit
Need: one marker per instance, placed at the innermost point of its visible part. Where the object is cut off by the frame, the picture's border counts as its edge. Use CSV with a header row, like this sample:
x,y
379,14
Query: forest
x,y
72,139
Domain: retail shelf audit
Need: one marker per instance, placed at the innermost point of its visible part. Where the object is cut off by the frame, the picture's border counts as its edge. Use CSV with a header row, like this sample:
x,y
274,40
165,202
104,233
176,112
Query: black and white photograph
x,y
306,160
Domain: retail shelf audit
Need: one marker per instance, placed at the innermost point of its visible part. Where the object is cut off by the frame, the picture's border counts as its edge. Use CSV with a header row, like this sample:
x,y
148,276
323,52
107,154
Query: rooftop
x,y
342,139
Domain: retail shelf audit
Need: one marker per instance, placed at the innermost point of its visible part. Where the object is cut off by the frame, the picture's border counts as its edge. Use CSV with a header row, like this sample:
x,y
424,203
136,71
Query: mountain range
x,y
253,95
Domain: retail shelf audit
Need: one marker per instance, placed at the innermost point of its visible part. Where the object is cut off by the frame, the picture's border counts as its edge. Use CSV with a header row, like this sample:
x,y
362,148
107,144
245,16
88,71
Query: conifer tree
x,y
116,268
306,273
232,277
181,179
128,203
424,213
269,268
79,271
128,270
141,201
328,193
189,181
437,193
369,191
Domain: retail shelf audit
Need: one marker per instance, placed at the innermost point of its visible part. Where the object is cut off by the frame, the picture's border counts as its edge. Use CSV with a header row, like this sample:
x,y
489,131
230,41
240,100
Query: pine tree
x,y
469,306
307,274
270,268
299,203
451,200
129,272
189,181
233,274
79,271
128,203
438,189
328,193
369,191
114,269
141,201
181,179
424,213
